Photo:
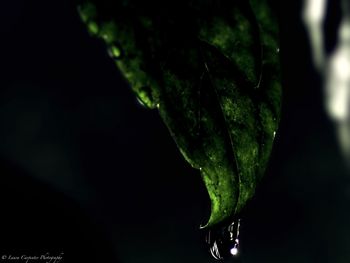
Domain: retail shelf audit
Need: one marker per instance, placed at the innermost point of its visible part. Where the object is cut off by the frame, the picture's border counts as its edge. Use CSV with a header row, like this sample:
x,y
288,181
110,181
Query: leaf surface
x,y
212,70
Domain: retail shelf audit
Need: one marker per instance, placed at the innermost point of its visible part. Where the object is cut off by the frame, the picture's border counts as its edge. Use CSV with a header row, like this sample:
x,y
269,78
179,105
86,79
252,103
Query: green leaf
x,y
212,70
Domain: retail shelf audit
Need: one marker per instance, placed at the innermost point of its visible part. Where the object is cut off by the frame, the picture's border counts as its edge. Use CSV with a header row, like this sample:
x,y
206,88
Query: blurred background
x,y
87,171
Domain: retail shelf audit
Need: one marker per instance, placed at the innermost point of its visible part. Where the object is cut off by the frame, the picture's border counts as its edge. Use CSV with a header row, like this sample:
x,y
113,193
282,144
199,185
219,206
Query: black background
x,y
87,171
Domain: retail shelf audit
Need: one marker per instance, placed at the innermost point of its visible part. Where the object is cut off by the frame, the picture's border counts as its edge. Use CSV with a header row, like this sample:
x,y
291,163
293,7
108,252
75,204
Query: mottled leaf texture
x,y
212,70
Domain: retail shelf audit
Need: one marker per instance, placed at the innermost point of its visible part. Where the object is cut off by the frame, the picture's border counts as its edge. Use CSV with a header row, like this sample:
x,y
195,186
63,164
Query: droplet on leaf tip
x,y
223,241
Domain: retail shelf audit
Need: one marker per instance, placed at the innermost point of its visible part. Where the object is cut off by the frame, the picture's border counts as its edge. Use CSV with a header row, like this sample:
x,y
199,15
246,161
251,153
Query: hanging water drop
x,y
223,241
234,251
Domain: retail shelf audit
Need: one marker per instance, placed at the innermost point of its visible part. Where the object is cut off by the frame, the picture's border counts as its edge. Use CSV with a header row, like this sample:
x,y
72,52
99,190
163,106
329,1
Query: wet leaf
x,y
211,68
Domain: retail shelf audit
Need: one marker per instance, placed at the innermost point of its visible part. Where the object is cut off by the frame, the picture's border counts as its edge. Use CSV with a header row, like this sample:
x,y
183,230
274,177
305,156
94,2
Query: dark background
x,y
87,171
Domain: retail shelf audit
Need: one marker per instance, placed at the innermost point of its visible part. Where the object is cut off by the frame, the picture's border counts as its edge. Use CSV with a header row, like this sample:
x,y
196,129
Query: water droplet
x,y
140,102
234,251
223,241
115,52
93,27
105,37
